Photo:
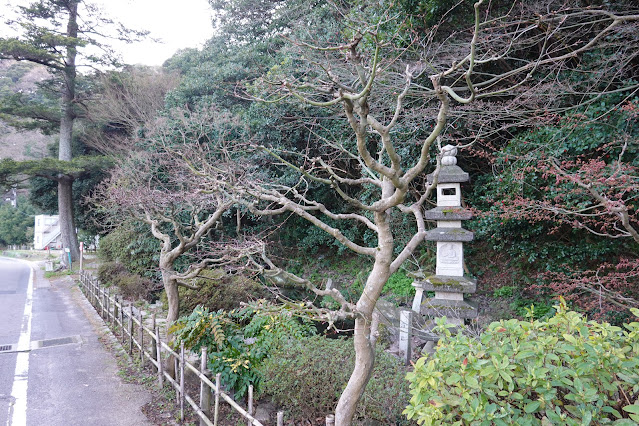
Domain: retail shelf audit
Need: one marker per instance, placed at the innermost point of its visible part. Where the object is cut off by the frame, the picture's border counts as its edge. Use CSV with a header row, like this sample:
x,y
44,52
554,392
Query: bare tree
x,y
152,187
592,192
383,93
53,33
124,102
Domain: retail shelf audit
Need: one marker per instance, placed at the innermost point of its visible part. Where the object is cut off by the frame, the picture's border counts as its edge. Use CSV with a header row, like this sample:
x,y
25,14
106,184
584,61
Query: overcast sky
x,y
180,24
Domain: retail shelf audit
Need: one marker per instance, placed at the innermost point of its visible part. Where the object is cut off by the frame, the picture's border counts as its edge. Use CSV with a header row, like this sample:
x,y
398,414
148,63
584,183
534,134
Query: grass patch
x,y
28,254
57,274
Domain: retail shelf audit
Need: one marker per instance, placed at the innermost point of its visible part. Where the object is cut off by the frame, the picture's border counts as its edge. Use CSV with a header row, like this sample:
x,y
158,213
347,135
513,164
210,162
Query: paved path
x,y
56,371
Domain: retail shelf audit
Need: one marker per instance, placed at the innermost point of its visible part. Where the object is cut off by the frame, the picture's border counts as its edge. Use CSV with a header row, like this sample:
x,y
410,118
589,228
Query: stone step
x,y
446,283
464,309
448,213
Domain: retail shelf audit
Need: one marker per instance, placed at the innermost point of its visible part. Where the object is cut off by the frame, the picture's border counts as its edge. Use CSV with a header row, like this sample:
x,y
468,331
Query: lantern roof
x,y
449,171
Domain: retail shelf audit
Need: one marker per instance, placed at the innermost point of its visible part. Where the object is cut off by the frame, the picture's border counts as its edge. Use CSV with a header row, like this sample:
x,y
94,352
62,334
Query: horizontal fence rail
x,y
146,345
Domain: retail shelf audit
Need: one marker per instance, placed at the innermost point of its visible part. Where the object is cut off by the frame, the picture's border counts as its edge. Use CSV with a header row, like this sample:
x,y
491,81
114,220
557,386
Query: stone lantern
x,y
448,283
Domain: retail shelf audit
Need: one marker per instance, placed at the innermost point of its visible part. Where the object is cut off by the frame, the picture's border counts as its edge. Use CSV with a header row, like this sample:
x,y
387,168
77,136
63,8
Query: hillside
x,y
21,77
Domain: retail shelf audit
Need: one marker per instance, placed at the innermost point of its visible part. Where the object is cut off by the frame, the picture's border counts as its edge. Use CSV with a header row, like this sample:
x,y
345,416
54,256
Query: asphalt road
x,y
53,368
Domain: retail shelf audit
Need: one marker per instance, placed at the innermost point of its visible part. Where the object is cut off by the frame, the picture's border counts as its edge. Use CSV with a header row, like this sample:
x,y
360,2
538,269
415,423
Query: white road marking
x,y
18,409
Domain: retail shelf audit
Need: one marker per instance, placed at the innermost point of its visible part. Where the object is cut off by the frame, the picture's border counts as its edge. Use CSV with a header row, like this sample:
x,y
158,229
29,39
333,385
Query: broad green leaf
x,y
531,407
634,409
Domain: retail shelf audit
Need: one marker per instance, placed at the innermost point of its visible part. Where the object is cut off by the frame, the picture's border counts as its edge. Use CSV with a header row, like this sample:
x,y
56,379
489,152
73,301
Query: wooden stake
x,y
108,305
205,390
250,404
182,381
122,321
130,329
158,346
141,339
154,352
218,378
115,309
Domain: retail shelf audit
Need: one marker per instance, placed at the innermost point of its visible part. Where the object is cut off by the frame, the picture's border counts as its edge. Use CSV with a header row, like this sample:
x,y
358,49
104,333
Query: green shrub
x,y
306,377
219,290
399,288
132,245
108,272
563,370
134,286
505,291
131,286
535,309
238,341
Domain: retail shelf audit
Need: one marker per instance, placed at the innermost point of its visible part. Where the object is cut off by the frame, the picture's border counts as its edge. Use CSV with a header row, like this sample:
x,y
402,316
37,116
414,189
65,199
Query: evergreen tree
x,y
53,32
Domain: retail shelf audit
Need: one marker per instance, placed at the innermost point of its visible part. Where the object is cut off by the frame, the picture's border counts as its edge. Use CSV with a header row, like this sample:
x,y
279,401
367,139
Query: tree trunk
x,y
364,349
173,298
171,288
65,191
65,210
364,363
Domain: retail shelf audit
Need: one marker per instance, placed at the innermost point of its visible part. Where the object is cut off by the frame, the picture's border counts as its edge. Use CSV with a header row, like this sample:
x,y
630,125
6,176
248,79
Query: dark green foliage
x,y
450,14
505,291
219,290
44,194
29,109
130,286
16,223
253,20
399,288
211,76
135,287
133,246
317,369
86,168
109,271
539,308
238,341
510,199
563,370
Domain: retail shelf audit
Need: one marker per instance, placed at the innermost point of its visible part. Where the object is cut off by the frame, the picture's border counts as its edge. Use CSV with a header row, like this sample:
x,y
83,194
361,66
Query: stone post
x,y
405,335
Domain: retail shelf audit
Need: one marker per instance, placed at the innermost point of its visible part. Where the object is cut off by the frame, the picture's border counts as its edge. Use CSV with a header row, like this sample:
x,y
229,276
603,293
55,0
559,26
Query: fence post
x,y
122,321
182,381
154,353
130,329
330,420
158,348
250,404
114,319
176,371
218,378
405,338
108,304
116,312
280,418
205,390
141,339
101,295
95,293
